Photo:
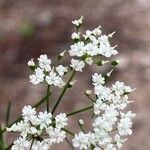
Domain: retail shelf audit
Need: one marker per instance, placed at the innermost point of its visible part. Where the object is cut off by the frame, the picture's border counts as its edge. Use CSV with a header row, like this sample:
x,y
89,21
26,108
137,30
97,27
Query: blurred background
x,y
30,28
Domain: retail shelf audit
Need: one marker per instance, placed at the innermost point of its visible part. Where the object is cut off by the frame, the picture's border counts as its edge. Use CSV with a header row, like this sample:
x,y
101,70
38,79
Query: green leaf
x,y
2,144
8,113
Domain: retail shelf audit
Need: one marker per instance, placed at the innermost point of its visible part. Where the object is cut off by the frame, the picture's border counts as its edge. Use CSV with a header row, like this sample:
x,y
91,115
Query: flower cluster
x,y
111,124
38,130
88,45
44,72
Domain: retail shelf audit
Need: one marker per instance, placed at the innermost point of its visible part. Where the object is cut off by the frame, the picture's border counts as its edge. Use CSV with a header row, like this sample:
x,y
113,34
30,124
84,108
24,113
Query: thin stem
x,y
32,144
80,110
90,98
35,106
113,130
100,147
47,100
63,92
8,113
69,132
92,147
69,143
2,143
81,127
9,147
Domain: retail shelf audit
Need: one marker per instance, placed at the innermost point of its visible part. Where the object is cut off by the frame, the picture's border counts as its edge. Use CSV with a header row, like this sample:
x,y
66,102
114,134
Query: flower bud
x,y
75,36
115,62
109,73
61,55
89,60
81,122
73,82
31,63
88,92
111,34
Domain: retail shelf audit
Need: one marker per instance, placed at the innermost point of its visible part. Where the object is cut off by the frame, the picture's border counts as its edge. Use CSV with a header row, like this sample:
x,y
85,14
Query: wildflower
x,y
81,122
75,36
61,70
31,62
81,141
44,62
77,65
61,120
26,127
38,77
78,22
78,49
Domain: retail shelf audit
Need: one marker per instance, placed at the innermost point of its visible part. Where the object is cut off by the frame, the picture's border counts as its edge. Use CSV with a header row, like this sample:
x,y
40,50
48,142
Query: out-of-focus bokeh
x,y
29,28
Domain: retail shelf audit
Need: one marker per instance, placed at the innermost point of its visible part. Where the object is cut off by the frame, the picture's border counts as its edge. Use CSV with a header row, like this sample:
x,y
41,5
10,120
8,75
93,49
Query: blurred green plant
x,y
26,29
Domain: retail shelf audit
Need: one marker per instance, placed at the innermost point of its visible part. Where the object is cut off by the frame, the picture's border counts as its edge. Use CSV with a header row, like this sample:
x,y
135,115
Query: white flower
x,y
98,79
75,35
97,31
81,141
125,124
119,141
78,49
120,88
103,92
102,124
87,35
61,70
105,49
77,65
21,144
28,112
55,135
44,119
44,62
21,126
54,79
40,145
61,120
78,22
110,147
91,49
31,62
99,106
37,77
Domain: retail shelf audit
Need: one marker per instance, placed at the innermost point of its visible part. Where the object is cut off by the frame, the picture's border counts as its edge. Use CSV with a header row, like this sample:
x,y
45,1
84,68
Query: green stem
x,y
63,92
90,98
47,100
80,110
8,113
67,131
92,147
2,143
69,143
81,127
9,147
32,144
